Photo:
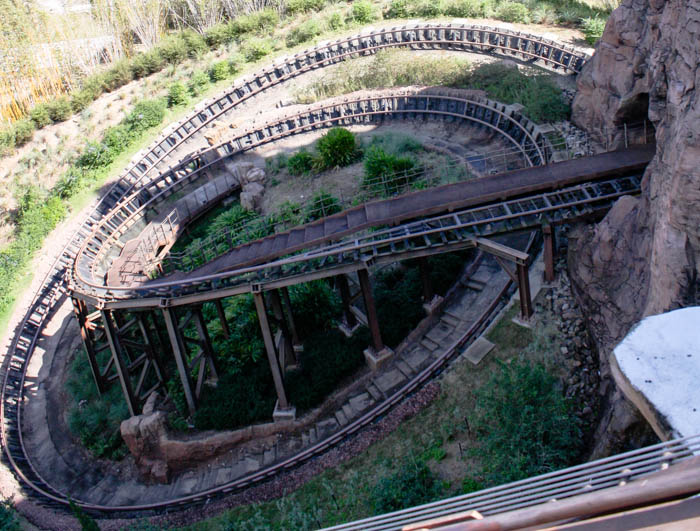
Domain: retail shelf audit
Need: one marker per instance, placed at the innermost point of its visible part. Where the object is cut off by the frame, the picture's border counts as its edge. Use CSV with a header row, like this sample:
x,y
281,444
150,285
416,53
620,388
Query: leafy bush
x,y
195,44
116,139
363,11
146,114
173,49
8,518
255,49
300,163
40,115
198,83
412,484
218,35
23,131
593,29
322,204
71,182
513,12
468,8
258,22
7,140
302,6
235,63
304,32
524,423
219,71
427,9
177,94
81,99
398,9
59,109
385,173
335,21
119,75
233,217
147,63
397,291
337,147
316,307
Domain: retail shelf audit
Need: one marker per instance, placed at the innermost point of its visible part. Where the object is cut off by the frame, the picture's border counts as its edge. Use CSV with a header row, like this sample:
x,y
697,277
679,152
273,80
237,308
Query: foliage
x,y
322,204
302,6
145,114
593,29
335,21
173,49
300,163
23,131
513,12
198,83
87,523
524,423
81,99
304,32
177,94
8,517
468,8
412,484
398,9
256,48
397,291
233,217
258,22
59,109
93,418
219,71
363,12
316,307
385,173
117,76
7,140
338,147
40,115
147,63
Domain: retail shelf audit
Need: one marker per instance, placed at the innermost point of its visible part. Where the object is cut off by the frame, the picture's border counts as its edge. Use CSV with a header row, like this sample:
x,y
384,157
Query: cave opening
x,y
633,117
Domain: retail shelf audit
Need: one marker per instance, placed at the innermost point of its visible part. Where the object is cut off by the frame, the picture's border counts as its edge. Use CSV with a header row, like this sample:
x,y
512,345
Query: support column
x,y
222,318
283,410
276,304
430,299
524,288
377,354
122,369
298,347
207,351
179,352
548,237
349,324
80,310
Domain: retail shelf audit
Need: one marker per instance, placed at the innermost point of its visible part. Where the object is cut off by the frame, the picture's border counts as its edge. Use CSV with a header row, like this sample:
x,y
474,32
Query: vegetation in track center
x,y
537,92
8,517
434,454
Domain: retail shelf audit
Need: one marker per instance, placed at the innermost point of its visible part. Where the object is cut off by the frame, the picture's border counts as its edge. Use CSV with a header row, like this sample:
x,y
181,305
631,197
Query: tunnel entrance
x,y
633,118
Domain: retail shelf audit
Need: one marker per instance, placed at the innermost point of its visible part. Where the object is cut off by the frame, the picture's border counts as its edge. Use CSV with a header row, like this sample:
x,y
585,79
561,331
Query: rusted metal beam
x,y
372,319
524,288
122,369
80,310
179,353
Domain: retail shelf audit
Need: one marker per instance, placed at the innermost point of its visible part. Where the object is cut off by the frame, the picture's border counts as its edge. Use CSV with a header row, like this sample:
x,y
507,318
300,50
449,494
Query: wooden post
x,y
424,269
178,346
276,304
524,287
206,346
344,288
372,320
222,318
80,309
290,316
548,236
270,349
122,368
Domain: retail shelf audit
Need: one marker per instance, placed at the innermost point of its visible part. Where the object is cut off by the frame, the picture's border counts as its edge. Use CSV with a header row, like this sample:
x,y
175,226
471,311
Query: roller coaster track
x,y
146,181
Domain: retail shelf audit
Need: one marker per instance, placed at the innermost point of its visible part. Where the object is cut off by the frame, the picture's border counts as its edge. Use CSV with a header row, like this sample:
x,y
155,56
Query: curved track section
x,y
139,175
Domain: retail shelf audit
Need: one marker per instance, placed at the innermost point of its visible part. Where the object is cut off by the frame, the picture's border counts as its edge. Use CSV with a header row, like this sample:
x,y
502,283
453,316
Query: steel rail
x,y
464,37
119,219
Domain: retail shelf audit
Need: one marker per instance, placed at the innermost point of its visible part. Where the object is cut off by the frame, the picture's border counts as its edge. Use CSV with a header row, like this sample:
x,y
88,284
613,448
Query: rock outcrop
x,y
644,257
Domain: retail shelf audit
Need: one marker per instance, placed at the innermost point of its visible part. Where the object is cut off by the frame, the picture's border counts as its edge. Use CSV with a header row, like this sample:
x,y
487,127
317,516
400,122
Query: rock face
x,y
644,257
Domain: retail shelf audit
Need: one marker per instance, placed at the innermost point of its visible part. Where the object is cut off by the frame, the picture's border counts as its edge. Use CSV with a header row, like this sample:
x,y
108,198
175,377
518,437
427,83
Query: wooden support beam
x,y
548,237
270,349
427,285
290,316
179,352
209,358
524,287
222,318
80,310
117,356
276,305
372,319
344,288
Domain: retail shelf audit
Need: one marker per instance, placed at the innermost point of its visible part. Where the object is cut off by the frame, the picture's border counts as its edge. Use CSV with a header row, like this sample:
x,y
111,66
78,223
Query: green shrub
x,y
427,9
235,63
524,423
71,182
337,148
218,35
322,204
304,32
59,109
7,140
385,173
40,115
363,12
398,9
255,49
592,28
468,8
116,139
146,114
23,131
233,217
412,484
290,214
8,518
81,99
147,63
198,83
316,307
118,75
219,71
195,44
302,6
93,156
259,22
335,21
173,49
397,291
177,94
300,163
513,12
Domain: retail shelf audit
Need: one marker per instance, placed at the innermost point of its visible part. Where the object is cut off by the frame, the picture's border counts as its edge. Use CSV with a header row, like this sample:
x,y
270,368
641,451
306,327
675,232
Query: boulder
x,y
252,196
